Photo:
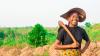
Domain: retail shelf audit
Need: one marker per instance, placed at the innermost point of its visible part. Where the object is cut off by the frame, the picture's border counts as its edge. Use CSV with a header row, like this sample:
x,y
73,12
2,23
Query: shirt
x,y
78,33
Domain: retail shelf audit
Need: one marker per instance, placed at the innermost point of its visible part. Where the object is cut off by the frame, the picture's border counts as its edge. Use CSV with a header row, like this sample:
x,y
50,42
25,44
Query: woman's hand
x,y
81,50
74,45
85,47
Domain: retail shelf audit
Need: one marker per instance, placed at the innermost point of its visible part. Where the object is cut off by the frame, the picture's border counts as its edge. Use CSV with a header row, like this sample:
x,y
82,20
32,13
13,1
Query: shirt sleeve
x,y
85,35
60,35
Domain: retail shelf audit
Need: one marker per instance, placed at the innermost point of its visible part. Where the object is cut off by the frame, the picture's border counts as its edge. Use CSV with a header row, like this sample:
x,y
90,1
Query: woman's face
x,y
73,19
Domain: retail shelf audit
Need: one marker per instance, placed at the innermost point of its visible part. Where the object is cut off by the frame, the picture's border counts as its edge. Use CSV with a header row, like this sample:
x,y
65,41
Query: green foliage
x,y
87,24
2,35
88,27
22,39
51,37
37,36
93,31
95,35
9,41
10,37
10,33
1,42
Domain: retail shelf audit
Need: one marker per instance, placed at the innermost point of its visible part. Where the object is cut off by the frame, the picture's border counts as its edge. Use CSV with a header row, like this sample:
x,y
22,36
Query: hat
x,y
81,13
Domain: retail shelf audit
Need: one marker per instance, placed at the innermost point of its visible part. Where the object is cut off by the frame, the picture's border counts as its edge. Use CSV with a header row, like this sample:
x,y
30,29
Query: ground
x,y
47,50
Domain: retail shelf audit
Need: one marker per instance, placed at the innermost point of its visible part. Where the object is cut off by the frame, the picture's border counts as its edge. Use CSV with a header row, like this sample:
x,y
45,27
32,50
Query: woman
x,y
64,41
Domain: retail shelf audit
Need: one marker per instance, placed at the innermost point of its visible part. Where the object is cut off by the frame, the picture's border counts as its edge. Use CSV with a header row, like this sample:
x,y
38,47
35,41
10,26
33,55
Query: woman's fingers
x,y
75,45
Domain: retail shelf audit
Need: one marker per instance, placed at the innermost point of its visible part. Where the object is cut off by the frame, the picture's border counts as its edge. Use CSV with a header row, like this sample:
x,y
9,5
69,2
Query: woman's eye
x,y
73,16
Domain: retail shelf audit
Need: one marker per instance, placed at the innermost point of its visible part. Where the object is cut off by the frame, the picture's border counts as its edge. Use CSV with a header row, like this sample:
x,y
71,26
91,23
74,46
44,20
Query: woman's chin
x,y
75,24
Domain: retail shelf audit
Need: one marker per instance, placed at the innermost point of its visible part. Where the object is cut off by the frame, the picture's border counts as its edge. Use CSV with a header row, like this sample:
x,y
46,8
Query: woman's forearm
x,y
73,45
58,45
63,46
85,47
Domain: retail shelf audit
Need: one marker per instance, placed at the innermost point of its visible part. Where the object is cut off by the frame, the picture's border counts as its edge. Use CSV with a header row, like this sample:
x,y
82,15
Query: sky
x,y
21,13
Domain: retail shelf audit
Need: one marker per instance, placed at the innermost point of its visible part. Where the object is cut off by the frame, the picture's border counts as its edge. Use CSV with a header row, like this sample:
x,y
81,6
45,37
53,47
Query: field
x,y
17,42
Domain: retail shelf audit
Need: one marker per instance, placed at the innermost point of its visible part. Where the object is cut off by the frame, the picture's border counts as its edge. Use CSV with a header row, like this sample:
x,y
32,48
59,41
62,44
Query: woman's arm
x,y
85,47
86,38
58,45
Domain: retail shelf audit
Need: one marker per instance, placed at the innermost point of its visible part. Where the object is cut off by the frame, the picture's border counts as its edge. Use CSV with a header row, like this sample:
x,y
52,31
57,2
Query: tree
x,y
88,27
37,36
87,24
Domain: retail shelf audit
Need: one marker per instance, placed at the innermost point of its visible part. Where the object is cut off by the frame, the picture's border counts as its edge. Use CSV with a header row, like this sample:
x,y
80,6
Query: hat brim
x,y
81,13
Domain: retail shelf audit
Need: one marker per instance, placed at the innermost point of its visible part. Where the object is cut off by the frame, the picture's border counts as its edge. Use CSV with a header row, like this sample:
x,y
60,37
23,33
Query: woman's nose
x,y
75,21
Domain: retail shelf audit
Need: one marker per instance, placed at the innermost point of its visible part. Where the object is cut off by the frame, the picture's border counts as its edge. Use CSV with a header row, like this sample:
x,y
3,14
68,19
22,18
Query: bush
x,y
51,37
2,35
37,36
1,42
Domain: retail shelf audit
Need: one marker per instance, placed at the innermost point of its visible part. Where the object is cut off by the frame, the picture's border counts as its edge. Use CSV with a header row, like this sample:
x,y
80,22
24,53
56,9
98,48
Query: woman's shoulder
x,y
81,28
60,29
